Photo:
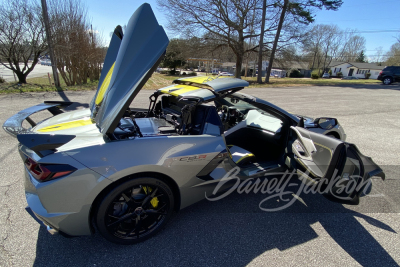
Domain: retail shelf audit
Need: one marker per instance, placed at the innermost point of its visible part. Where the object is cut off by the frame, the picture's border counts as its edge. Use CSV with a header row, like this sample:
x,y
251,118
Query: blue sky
x,y
362,15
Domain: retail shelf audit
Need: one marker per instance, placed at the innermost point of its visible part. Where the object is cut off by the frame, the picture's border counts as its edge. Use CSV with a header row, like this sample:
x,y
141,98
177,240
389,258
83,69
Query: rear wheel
x,y
387,80
135,211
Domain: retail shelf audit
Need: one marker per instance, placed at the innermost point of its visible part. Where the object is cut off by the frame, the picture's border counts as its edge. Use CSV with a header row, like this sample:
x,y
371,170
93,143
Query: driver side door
x,y
340,169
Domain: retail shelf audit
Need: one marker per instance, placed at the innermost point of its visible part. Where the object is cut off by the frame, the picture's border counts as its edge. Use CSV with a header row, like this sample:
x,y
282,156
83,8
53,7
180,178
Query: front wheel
x,y
387,80
135,210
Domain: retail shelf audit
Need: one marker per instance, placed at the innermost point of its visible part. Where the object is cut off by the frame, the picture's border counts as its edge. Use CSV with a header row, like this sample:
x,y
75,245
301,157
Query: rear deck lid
x,y
141,50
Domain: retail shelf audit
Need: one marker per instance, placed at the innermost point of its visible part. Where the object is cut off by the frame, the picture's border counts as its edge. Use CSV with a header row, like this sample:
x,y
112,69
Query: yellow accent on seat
x,y
67,125
104,86
248,155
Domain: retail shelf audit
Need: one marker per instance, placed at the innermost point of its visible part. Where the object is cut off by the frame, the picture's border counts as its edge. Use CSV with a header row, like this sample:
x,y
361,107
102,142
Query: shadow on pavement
x,y
229,232
63,96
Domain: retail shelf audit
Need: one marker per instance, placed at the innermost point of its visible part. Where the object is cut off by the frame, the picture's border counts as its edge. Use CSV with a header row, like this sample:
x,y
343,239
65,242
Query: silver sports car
x,y
124,171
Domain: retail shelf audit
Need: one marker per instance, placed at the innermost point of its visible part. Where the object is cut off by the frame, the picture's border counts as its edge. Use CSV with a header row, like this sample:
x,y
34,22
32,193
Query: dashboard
x,y
261,121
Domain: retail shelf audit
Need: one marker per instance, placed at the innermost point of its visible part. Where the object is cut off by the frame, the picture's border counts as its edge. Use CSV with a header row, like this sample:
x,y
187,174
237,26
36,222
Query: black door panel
x,y
343,171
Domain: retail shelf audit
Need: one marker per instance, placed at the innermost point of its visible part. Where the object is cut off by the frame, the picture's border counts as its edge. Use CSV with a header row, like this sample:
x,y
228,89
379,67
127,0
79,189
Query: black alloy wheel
x,y
135,211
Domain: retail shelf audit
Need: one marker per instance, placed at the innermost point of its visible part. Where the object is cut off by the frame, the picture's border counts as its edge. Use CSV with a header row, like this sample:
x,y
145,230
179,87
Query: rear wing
x,y
13,125
39,143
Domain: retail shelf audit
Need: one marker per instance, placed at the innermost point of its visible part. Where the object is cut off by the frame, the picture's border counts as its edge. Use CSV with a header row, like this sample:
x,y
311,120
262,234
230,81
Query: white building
x,y
355,69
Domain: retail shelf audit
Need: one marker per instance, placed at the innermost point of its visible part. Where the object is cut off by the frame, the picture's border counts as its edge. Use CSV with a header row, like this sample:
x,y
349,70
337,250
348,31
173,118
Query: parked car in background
x,y
389,75
325,75
45,62
225,74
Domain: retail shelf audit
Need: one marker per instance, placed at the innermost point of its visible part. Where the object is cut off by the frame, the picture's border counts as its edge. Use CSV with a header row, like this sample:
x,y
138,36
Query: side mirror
x,y
326,123
301,123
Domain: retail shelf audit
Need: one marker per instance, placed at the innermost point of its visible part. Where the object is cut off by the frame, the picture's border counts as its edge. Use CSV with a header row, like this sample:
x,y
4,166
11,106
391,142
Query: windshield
x,y
242,106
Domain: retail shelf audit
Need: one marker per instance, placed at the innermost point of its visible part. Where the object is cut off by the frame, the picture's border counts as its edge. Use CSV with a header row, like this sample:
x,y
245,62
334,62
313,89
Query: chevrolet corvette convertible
x,y
124,171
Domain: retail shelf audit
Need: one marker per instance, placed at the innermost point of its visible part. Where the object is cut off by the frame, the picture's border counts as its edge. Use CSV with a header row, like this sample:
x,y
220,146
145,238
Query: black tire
x,y
128,214
387,80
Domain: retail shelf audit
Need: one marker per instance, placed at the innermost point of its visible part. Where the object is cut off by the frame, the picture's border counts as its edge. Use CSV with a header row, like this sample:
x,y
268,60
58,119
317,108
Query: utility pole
x,y
50,43
260,49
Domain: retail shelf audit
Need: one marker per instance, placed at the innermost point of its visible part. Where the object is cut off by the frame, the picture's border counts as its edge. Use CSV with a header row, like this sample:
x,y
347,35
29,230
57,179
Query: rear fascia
x,y
63,203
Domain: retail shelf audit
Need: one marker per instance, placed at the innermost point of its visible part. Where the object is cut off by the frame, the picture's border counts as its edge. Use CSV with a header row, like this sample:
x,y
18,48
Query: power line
x,y
378,31
373,3
370,19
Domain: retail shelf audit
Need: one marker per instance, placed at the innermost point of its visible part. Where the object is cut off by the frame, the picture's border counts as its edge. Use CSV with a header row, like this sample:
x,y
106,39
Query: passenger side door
x,y
340,169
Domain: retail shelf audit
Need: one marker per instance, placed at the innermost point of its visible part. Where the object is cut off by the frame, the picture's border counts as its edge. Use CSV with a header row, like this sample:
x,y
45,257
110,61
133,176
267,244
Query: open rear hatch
x,y
130,61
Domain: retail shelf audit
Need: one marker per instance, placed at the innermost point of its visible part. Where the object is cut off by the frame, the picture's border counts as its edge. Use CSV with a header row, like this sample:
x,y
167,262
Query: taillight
x,y
46,172
380,73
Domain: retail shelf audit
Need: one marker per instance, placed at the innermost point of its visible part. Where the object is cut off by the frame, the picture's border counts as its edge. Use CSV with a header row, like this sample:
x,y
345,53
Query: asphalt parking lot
x,y
233,231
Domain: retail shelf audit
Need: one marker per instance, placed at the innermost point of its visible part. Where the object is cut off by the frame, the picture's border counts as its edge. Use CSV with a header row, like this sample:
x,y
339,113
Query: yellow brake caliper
x,y
154,201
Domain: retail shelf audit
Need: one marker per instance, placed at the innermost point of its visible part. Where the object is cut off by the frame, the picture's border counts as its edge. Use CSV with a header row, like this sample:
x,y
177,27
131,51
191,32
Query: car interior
x,y
255,138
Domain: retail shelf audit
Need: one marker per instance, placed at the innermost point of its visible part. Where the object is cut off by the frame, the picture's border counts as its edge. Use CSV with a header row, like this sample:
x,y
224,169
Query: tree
x,y
175,56
393,56
361,57
378,58
302,14
231,21
328,42
22,37
78,49
278,33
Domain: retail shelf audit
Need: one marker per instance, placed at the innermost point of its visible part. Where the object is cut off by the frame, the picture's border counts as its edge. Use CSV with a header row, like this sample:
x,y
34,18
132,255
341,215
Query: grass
x,y
286,82
41,84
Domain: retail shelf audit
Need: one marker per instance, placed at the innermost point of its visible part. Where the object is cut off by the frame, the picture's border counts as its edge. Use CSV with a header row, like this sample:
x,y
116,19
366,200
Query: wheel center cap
x,y
139,211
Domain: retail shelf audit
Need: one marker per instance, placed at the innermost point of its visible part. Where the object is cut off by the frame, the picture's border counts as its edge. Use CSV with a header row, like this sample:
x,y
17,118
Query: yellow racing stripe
x,y
104,86
67,125
178,89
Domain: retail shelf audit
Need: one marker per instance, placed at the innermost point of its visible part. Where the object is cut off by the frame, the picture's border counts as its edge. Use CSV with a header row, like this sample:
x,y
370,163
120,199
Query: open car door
x,y
342,172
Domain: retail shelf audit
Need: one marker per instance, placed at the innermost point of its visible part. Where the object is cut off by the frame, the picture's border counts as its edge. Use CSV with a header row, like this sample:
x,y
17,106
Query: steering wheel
x,y
224,110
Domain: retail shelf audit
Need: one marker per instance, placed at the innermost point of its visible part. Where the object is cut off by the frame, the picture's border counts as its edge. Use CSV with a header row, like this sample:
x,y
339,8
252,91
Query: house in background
x,y
301,66
229,67
355,69
281,69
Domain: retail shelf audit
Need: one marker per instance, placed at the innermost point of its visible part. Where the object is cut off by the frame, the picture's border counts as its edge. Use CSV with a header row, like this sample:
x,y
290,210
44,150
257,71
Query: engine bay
x,y
170,116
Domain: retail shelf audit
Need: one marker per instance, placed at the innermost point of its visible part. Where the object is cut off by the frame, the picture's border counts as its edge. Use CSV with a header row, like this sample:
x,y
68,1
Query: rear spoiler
x,y
13,125
39,142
